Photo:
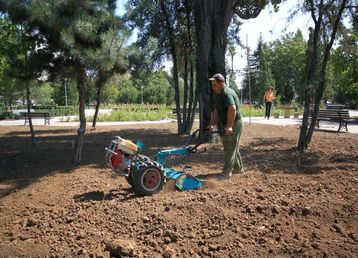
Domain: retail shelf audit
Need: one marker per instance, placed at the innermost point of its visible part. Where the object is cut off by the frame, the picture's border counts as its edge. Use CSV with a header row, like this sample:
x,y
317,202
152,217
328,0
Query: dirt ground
x,y
48,208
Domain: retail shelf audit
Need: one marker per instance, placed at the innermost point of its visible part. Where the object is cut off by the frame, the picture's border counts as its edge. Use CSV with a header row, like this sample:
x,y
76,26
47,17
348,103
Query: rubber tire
x,y
129,179
138,177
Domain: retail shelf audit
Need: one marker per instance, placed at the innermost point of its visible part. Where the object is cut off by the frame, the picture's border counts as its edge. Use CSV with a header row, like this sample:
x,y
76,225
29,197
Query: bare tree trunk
x,y
322,76
28,99
195,104
98,99
309,82
186,88
175,64
212,19
203,10
307,133
100,83
188,74
192,100
82,104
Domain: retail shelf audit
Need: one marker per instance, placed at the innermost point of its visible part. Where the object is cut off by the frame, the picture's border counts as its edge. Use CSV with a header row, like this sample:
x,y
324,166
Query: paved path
x,y
352,127
324,125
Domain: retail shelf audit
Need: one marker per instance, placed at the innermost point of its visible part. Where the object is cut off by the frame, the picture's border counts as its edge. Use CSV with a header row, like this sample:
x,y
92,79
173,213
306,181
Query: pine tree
x,y
77,31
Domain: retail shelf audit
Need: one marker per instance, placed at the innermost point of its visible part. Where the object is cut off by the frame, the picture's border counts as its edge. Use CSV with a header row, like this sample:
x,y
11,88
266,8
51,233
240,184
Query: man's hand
x,y
228,131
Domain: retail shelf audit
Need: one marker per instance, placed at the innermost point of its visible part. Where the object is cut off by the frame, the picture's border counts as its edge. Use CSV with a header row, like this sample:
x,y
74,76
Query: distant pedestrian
x,y
268,98
226,116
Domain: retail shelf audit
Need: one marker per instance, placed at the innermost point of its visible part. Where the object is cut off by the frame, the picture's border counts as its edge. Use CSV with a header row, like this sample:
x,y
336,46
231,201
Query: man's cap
x,y
217,77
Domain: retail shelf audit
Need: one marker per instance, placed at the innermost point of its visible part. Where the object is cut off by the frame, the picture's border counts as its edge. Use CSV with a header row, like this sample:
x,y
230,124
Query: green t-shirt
x,y
222,101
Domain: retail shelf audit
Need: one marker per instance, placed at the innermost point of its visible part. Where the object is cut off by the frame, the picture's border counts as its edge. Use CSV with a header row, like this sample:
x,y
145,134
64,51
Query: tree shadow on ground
x,y
21,164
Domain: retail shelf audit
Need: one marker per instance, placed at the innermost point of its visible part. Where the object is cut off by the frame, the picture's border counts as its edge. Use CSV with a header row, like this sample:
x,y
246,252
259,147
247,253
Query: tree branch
x,y
247,9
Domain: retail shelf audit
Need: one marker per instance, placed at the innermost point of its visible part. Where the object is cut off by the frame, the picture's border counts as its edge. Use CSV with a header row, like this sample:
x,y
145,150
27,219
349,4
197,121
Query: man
x,y
226,116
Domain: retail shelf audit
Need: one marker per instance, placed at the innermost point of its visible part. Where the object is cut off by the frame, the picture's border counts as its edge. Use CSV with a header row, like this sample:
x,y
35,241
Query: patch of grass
x,y
135,113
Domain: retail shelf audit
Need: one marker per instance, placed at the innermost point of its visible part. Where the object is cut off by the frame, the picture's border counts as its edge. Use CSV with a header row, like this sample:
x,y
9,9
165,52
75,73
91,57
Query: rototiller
x,y
146,175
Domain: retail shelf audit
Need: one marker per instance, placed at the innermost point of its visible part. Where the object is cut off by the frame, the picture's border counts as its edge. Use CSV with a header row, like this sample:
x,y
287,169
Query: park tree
x,y
76,31
111,59
212,20
25,57
10,90
261,76
64,91
344,65
42,94
286,57
171,24
156,90
327,16
127,91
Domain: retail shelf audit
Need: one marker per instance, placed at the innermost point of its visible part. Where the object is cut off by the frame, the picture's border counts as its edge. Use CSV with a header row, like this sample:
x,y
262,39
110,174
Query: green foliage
x,y
11,62
132,112
127,92
42,94
109,93
287,64
247,110
156,90
345,71
154,87
58,110
260,73
60,91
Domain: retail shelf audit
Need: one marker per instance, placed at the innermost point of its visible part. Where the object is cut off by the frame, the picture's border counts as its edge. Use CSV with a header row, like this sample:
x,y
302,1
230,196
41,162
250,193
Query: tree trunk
x,y
307,133
188,111
97,108
82,104
309,82
100,83
322,76
203,10
212,19
186,88
192,100
175,64
29,112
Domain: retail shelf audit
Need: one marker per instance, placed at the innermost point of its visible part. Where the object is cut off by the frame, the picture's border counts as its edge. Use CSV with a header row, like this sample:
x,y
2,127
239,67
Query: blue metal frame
x,y
162,155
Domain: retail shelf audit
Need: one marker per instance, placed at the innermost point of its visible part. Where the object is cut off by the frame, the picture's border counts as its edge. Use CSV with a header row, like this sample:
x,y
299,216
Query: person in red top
x,y
268,98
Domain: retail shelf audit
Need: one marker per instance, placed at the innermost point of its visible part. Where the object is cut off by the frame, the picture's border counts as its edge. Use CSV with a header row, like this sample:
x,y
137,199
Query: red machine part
x,y
116,159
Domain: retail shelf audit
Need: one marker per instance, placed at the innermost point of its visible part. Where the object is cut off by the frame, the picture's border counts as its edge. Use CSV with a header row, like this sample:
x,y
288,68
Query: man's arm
x,y
231,114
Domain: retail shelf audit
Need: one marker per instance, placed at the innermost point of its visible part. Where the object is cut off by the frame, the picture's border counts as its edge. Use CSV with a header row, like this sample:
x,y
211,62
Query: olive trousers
x,y
232,157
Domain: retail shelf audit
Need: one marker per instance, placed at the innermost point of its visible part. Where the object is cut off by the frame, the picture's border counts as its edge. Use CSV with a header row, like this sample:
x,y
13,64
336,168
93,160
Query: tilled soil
x,y
48,208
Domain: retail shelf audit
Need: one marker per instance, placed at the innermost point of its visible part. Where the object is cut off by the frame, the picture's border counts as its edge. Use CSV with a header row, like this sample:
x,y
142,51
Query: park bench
x,y
335,106
340,116
44,115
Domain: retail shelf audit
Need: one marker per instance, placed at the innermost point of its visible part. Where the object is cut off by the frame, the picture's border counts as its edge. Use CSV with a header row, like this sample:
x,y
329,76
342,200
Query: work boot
x,y
224,176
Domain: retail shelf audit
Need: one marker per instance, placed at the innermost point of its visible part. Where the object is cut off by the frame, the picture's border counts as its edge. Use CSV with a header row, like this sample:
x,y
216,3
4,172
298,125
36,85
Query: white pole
x,y
141,90
66,92
248,76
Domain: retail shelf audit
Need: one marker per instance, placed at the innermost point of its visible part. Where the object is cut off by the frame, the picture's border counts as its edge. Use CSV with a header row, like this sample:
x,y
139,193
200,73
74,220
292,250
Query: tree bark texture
x,y
175,62
28,99
322,75
212,19
307,133
188,102
311,68
101,81
98,99
82,104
